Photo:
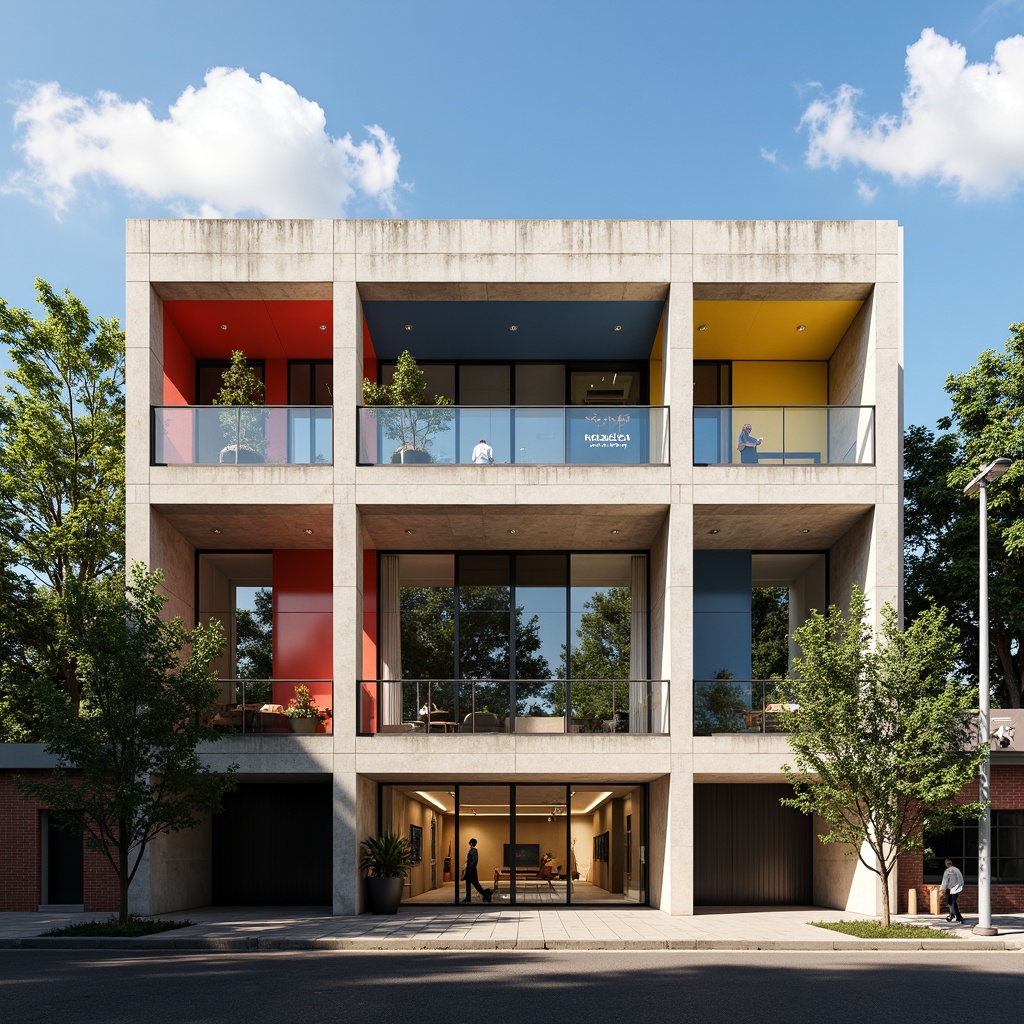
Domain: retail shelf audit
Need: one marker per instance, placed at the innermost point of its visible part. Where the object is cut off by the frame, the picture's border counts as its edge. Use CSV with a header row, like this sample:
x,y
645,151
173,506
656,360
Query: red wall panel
x,y
179,367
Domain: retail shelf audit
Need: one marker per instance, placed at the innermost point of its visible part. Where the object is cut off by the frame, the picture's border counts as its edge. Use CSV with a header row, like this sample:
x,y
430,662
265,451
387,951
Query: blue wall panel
x,y
722,588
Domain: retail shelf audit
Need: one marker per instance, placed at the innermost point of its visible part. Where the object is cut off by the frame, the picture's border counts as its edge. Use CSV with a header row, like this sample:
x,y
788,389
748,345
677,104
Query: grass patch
x,y
875,930
134,928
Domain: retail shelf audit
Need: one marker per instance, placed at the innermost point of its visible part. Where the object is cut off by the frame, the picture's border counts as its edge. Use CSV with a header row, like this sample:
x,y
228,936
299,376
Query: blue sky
x,y
560,109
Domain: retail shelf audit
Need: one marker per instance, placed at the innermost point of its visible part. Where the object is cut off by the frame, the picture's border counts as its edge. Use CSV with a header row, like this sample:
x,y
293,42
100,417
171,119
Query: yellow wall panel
x,y
779,383
656,374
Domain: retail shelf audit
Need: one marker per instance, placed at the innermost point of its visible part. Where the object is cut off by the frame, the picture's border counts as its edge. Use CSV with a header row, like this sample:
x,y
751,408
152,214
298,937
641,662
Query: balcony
x,y
271,706
833,435
444,707
204,435
740,706
517,435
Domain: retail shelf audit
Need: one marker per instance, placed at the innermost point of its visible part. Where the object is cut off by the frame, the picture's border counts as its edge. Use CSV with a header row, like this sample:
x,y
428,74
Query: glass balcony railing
x,y
520,435
740,705
283,706
520,706
832,435
201,435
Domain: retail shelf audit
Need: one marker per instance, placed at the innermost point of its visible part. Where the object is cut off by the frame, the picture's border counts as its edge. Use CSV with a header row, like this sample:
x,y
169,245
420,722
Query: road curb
x,y
227,944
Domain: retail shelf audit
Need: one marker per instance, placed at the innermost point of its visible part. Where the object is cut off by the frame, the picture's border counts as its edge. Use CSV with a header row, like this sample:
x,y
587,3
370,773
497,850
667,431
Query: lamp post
x,y
991,472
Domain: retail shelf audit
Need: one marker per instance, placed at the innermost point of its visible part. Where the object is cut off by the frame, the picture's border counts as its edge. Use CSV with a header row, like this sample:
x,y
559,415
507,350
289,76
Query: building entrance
x,y
537,844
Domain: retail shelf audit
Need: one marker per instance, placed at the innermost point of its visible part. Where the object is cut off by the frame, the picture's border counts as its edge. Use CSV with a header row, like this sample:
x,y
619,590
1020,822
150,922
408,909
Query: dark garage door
x,y
272,845
748,849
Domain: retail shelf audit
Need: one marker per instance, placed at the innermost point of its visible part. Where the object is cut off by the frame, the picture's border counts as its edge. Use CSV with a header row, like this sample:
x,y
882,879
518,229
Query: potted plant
x,y
240,387
386,859
412,423
303,713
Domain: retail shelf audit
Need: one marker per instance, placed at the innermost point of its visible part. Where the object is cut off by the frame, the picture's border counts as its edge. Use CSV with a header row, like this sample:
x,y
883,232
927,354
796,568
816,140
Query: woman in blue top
x,y
747,444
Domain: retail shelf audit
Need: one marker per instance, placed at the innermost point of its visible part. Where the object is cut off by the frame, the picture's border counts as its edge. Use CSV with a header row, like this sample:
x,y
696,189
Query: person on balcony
x,y
483,454
747,444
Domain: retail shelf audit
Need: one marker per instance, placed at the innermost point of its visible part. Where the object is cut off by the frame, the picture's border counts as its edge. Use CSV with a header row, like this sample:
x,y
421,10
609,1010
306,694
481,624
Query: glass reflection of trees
x,y
483,652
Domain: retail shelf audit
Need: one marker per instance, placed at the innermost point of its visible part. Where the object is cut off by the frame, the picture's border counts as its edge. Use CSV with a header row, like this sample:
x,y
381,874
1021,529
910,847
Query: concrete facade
x,y
850,512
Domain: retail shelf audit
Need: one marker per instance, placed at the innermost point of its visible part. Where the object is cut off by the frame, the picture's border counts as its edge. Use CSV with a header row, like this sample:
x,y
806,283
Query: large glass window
x,y
960,845
541,844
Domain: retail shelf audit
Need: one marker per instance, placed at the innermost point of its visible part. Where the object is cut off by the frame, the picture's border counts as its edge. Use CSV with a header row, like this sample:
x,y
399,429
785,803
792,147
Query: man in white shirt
x,y
953,885
482,453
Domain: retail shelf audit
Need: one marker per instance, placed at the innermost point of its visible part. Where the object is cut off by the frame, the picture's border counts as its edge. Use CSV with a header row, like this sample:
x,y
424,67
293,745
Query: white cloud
x,y
772,156
961,123
865,191
233,146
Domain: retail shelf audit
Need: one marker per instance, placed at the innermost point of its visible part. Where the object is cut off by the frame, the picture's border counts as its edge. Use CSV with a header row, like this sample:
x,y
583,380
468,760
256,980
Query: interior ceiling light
x,y
702,327
430,800
323,327
513,327
617,327
801,327
410,532
616,531
215,530
714,531
513,530
805,531
223,327
307,530
408,327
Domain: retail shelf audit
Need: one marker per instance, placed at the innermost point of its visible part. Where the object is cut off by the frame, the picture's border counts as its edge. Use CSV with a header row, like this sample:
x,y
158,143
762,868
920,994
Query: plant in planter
x,y
240,387
387,860
303,713
412,423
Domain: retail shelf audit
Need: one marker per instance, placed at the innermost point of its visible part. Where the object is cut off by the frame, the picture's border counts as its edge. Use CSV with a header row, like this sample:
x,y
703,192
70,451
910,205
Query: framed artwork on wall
x,y
416,843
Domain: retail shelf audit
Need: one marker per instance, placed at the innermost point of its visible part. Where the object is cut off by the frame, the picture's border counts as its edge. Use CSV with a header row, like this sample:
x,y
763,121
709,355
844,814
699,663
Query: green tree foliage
x,y
881,737
128,768
254,638
429,649
941,524
770,629
414,424
61,484
240,385
601,652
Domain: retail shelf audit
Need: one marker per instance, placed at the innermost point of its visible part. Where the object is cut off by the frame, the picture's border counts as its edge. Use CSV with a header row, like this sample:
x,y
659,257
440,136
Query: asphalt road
x,y
513,987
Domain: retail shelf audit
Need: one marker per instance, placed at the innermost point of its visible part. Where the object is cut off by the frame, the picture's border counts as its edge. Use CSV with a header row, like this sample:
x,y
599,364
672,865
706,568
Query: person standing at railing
x,y
747,444
483,454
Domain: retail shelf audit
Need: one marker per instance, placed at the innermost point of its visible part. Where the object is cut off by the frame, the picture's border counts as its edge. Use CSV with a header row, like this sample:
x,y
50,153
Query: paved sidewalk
x,y
476,928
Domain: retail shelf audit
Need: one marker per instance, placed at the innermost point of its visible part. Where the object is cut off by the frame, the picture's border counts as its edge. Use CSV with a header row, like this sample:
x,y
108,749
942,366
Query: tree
x,y
881,736
61,466
770,629
128,770
254,638
601,654
429,649
941,524
413,424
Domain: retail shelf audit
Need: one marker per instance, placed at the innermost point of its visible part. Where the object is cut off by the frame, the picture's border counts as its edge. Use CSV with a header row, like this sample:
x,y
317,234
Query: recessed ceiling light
x,y
410,532
617,327
223,327
215,530
323,327
616,531
702,327
805,531
801,327
714,531
513,530
513,327
307,530
408,327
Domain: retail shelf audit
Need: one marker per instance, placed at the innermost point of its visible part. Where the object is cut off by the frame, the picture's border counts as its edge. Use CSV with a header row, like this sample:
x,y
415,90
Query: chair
x,y
480,721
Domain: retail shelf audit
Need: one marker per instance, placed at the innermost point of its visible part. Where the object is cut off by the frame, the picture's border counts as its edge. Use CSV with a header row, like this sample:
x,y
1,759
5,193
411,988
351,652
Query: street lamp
x,y
991,472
